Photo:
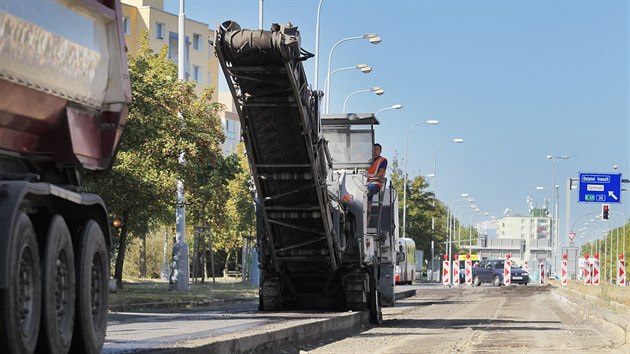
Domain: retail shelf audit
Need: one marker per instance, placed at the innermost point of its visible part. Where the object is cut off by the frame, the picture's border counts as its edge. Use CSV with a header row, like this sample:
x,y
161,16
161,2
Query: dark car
x,y
462,272
491,271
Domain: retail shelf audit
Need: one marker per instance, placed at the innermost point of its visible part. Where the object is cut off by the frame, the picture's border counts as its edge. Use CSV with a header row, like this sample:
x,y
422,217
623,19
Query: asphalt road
x,y
520,319
486,319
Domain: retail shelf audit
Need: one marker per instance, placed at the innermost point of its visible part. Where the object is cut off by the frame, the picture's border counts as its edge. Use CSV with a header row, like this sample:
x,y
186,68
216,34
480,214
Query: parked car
x,y
462,272
491,271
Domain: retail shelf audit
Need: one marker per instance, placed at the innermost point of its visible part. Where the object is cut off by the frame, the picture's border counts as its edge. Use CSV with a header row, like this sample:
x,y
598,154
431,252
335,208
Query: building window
x,y
126,25
159,30
196,41
195,73
231,137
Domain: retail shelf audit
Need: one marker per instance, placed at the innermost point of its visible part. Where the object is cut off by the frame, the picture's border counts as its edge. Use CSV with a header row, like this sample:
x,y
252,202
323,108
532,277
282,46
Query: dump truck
x,y
322,244
64,96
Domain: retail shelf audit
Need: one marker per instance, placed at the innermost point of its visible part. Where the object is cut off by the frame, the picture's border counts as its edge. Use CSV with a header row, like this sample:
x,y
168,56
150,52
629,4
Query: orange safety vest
x,y
372,170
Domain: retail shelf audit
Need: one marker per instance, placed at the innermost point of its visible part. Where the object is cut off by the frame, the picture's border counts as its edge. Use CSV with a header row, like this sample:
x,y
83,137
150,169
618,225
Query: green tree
x,y
422,210
166,119
240,208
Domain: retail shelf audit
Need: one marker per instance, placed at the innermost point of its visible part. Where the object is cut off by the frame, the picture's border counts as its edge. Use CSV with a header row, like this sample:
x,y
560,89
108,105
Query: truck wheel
x,y
58,285
92,274
20,303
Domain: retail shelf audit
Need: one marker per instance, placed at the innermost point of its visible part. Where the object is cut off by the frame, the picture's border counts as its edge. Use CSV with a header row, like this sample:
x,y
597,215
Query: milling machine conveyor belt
x,y
279,122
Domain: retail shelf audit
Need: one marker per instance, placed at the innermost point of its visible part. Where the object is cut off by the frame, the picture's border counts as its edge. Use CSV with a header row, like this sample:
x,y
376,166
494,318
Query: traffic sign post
x,y
600,188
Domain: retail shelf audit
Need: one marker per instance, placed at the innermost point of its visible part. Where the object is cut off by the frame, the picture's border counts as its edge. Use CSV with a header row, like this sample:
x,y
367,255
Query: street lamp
x,y
432,122
396,106
376,89
457,226
372,37
554,216
319,8
456,140
364,68
448,223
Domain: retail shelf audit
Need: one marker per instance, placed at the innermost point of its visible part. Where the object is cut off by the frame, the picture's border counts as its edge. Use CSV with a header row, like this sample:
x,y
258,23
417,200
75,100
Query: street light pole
x,y
374,39
448,228
404,225
377,90
319,8
364,68
260,14
180,248
396,106
456,140
554,196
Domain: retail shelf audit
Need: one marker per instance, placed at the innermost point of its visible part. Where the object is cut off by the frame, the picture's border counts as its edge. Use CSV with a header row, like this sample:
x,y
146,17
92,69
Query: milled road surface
x,y
518,319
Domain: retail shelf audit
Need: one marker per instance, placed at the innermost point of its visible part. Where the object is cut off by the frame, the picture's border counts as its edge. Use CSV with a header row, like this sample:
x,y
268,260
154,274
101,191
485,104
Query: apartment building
x,y
524,227
231,123
201,65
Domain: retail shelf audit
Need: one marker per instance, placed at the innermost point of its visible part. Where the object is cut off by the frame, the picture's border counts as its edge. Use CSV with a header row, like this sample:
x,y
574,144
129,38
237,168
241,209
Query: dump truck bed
x,y
64,85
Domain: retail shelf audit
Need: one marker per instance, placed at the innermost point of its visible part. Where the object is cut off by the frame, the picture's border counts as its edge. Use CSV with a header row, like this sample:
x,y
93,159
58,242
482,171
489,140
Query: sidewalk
x,y
155,294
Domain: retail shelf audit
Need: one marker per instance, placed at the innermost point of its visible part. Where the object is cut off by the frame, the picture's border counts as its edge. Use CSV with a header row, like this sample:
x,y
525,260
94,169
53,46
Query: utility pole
x,y
260,14
180,276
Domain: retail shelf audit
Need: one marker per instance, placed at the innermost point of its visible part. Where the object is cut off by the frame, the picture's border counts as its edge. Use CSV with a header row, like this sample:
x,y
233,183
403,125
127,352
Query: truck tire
x,y
20,303
92,274
58,284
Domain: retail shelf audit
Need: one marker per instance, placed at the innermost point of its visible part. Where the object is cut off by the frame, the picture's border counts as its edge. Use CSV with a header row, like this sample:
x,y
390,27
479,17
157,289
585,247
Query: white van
x,y
406,267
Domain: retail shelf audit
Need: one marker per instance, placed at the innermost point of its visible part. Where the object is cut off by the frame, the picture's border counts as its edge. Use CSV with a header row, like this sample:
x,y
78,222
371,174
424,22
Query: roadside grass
x,y
152,291
613,297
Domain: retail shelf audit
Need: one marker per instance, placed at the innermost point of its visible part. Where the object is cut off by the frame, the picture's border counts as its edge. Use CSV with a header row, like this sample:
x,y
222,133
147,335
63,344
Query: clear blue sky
x,y
517,80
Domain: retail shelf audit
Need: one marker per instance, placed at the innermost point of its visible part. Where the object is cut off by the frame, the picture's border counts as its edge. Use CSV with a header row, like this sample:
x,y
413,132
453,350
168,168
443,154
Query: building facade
x,y
231,123
524,227
201,65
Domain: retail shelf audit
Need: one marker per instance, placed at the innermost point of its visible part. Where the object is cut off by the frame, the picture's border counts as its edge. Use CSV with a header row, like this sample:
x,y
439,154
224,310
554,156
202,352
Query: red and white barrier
x,y
621,271
526,266
541,273
595,273
455,272
446,273
468,270
507,271
587,270
563,272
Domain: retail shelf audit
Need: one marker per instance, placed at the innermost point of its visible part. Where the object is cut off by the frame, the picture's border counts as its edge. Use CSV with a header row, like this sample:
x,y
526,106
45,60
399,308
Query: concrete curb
x,y
177,305
270,341
589,309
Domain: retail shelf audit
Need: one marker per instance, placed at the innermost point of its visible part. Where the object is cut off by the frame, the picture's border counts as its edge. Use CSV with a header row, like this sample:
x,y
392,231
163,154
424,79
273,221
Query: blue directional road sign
x,y
600,188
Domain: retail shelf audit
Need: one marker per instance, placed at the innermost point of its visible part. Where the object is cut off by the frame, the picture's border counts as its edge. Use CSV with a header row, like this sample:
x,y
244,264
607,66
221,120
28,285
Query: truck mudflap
x,y
65,92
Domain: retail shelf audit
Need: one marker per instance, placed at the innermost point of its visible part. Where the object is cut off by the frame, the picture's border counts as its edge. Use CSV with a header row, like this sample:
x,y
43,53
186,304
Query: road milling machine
x,y
322,244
